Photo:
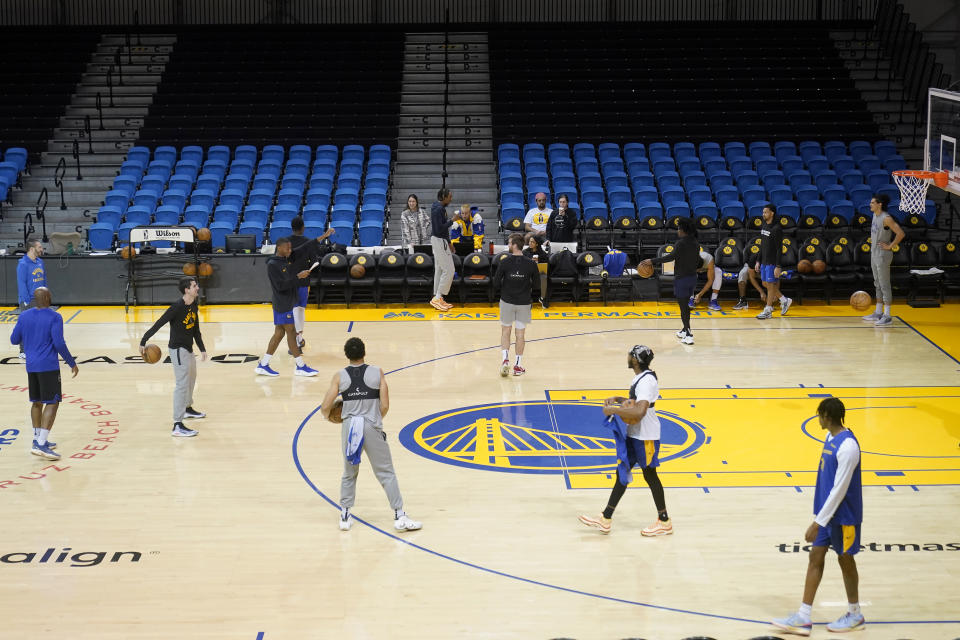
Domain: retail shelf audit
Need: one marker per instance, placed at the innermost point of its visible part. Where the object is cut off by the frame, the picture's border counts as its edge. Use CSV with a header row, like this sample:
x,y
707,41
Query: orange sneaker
x,y
597,522
659,528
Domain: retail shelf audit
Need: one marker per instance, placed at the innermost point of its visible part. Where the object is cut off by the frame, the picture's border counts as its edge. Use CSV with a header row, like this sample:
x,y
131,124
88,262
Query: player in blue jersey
x,y
838,505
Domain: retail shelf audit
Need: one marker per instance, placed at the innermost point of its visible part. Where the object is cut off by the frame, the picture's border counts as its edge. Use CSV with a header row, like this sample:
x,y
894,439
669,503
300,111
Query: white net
x,y
913,192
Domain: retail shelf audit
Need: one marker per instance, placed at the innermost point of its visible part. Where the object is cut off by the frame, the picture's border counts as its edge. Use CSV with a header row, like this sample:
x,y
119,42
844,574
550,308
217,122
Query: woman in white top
x,y
642,443
414,223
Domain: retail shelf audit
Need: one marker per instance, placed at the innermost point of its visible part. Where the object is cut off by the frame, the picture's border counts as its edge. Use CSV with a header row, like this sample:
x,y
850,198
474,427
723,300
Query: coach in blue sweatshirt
x,y
39,331
30,273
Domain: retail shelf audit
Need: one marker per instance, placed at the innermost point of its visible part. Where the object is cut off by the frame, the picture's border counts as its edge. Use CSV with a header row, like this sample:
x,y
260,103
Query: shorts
x,y
844,538
283,318
302,294
643,453
515,315
766,273
44,386
683,287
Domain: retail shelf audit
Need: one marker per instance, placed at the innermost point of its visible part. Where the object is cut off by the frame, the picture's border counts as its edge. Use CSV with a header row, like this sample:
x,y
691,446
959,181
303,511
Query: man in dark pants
x,y
686,259
284,282
184,319
39,331
303,254
771,252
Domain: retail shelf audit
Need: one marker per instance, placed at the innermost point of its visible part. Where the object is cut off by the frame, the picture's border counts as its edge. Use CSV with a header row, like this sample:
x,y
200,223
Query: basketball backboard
x,y
943,131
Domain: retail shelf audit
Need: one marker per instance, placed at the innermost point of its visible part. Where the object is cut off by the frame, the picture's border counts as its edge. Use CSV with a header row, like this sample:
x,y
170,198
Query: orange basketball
x,y
126,253
819,266
804,266
336,411
151,354
861,300
645,270
205,270
189,269
357,271
203,235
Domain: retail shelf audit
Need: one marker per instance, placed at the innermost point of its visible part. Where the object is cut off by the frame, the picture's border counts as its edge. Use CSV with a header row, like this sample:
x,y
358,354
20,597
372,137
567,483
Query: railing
x,y
88,131
58,180
100,110
41,214
110,83
254,12
76,156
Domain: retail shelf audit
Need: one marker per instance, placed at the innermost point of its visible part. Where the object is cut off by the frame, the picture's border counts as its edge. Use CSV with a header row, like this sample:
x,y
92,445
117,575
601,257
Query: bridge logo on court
x,y
536,437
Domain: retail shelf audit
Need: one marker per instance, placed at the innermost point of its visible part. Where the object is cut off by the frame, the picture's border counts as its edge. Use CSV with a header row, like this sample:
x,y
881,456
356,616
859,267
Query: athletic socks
x,y
265,360
714,295
299,360
506,353
886,310
783,299
805,611
854,608
663,516
518,359
36,432
42,436
879,310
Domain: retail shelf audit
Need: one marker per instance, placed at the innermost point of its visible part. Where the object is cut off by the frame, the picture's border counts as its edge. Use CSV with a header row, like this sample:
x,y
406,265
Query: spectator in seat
x,y
563,223
414,223
467,226
537,218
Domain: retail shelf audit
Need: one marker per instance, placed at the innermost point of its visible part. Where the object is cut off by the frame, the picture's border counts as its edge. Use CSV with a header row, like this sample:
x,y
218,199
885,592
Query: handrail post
x,y
41,212
129,51
119,62
89,132
27,227
76,156
110,83
58,180
100,110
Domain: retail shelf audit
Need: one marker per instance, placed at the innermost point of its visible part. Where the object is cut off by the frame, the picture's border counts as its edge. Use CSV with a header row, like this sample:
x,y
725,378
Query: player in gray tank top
x,y
366,398
885,237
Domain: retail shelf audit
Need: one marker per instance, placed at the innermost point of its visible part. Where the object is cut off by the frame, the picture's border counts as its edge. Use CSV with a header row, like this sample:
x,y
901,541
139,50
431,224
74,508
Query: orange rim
x,y
940,178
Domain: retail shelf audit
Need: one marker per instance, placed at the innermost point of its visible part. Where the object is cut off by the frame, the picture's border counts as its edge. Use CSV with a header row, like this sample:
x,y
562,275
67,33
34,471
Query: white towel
x,y
354,440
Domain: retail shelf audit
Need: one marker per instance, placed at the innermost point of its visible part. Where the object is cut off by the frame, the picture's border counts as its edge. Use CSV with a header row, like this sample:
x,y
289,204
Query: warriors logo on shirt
x,y
535,437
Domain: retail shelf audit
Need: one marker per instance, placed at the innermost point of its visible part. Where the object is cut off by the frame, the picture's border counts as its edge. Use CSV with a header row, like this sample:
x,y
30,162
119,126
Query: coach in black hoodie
x,y
686,258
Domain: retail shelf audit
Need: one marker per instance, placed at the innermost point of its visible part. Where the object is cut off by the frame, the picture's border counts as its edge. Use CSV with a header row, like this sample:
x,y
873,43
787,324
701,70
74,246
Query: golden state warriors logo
x,y
536,437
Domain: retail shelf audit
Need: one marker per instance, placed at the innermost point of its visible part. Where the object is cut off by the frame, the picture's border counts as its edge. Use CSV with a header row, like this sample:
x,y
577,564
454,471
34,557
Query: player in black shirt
x,y
283,282
184,321
517,277
304,252
686,260
771,252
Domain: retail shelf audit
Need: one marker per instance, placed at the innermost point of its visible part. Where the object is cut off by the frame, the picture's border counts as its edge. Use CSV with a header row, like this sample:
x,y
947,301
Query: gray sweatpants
x,y
442,266
185,372
377,452
880,265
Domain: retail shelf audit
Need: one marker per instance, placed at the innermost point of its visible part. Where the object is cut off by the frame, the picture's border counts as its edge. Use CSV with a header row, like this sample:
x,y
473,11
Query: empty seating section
x,y
620,83
721,187
41,68
237,86
13,163
249,190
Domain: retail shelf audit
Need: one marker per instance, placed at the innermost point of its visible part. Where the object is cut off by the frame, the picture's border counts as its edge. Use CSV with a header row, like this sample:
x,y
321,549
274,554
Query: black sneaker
x,y
180,431
193,413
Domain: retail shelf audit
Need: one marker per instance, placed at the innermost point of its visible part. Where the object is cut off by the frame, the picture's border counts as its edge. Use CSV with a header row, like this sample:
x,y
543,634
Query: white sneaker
x,y
884,321
180,431
873,317
785,306
766,314
681,334
404,523
346,520
687,339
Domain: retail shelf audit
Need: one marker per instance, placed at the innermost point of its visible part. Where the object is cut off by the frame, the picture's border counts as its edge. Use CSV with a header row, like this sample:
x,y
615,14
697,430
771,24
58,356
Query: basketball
x,y
861,300
336,410
203,235
819,266
804,266
645,270
205,270
151,354
189,269
126,253
357,271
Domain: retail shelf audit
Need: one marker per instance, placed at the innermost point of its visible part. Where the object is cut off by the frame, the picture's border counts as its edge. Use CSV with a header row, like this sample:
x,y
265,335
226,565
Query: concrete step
x,y
113,159
877,95
118,111
110,148
438,66
415,77
68,122
451,57
868,74
450,143
129,79
119,91
133,70
415,88
883,84
135,50
98,184
435,156
138,39
108,58
446,132
122,100
439,120
88,171
107,135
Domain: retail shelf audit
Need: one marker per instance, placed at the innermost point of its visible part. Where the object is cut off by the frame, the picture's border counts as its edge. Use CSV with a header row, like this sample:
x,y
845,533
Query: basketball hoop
x,y
913,187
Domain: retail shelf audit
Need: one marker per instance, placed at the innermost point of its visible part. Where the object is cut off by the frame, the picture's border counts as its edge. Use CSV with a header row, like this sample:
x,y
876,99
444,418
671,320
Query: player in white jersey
x,y
641,446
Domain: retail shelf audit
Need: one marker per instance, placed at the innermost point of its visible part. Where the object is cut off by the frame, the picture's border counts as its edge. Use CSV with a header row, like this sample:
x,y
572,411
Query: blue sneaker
x,y
265,370
794,624
848,622
305,371
691,302
714,306
44,451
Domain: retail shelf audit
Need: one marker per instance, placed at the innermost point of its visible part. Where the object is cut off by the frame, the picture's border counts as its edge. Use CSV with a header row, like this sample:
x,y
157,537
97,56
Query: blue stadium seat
x,y
198,217
877,179
118,199
342,233
328,153
721,179
869,163
100,235
284,213
315,213
806,193
370,233
834,148
726,195
123,232
110,215
246,152
167,216
817,209
883,149
257,214
832,194
352,153
809,148
779,194
219,232
817,164
139,155
851,179
290,198
799,179
508,213
146,200
301,153
313,229
226,213
219,153
759,150
254,228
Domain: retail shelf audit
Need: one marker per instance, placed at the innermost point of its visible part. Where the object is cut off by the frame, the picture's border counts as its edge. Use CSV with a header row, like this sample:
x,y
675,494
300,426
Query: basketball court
x,y
233,533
